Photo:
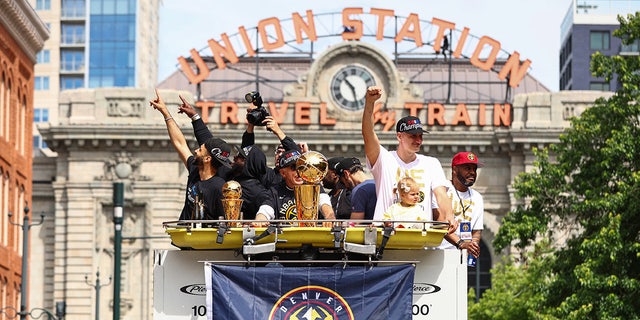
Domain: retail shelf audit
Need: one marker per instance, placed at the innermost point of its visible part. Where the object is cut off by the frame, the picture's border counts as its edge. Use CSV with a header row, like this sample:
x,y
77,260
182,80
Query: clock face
x,y
349,87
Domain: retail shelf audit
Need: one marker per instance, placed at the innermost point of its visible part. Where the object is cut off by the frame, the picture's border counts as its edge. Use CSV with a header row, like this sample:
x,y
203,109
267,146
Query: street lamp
x,y
118,204
25,257
35,313
97,287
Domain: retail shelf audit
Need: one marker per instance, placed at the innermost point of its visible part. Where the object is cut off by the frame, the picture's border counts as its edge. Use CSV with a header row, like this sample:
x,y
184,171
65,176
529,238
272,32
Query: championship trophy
x,y
231,202
312,166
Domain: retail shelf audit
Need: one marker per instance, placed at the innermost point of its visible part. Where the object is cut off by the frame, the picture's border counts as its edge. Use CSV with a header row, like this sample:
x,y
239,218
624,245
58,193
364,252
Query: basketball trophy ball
x,y
312,166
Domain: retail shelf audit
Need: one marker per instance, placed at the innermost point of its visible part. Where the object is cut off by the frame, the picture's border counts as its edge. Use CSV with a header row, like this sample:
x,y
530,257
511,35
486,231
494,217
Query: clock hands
x,y
349,85
352,87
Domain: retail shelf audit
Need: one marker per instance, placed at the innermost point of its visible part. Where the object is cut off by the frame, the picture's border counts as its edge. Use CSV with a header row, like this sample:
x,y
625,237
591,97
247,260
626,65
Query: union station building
x,y
471,93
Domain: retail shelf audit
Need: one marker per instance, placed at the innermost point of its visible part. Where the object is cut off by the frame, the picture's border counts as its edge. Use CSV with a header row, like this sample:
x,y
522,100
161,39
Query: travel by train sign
x,y
271,37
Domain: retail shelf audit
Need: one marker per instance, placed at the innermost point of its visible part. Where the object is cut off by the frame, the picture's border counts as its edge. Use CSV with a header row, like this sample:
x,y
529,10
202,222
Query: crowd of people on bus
x,y
401,186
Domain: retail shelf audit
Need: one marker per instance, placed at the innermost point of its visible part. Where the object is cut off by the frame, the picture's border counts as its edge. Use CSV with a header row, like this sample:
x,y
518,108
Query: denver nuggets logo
x,y
311,303
290,213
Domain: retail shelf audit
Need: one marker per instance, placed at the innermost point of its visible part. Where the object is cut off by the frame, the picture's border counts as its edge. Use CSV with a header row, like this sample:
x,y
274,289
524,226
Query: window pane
x,y
71,82
73,8
599,86
599,40
72,60
43,4
72,34
43,56
42,83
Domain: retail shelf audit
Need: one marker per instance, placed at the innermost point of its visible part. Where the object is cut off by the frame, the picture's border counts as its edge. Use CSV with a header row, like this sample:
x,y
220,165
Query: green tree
x,y
588,185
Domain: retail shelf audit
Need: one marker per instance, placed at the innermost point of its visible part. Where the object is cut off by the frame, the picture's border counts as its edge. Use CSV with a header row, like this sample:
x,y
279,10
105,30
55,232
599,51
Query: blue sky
x,y
530,27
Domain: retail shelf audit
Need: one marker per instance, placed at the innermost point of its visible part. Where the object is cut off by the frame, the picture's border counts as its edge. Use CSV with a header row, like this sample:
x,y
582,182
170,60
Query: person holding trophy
x,y
281,202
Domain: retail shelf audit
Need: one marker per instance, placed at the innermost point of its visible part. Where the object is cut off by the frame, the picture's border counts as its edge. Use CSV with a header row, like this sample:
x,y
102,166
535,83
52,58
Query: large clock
x,y
349,87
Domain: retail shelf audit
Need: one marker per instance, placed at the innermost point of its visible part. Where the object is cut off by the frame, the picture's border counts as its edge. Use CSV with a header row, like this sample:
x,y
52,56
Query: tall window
x,y
40,115
72,34
73,8
42,83
4,208
43,56
3,109
6,109
599,40
43,4
112,43
479,278
71,60
38,142
22,121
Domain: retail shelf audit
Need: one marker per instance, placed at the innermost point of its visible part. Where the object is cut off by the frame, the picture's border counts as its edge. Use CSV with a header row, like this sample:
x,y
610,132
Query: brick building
x,y
22,35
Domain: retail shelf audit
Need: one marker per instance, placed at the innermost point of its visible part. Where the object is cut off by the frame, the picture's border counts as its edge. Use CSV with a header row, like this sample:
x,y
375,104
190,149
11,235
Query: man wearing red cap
x,y
388,167
467,203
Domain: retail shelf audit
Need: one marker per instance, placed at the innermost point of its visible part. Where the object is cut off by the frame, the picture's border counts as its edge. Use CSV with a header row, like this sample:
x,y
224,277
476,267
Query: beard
x,y
465,182
198,160
236,170
329,184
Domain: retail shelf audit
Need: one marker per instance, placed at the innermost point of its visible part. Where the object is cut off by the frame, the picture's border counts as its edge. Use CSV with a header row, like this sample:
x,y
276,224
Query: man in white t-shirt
x,y
388,167
467,203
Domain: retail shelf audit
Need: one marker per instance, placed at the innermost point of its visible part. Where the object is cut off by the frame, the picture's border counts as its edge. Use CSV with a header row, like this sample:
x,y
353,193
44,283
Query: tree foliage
x,y
588,185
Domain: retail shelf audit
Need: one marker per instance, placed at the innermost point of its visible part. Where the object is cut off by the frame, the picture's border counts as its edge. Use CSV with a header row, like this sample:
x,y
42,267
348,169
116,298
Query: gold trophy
x,y
232,204
312,166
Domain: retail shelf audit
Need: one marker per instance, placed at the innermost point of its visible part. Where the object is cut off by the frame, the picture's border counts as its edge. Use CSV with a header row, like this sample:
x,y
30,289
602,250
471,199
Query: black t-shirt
x,y
209,190
282,199
341,201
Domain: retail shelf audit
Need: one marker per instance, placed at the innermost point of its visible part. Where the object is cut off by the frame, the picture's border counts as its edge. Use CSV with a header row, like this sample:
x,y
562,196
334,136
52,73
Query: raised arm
x,y
287,142
175,134
200,129
371,142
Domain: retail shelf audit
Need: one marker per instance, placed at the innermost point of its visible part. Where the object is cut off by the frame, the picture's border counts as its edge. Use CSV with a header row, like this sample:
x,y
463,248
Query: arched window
x,y
3,108
479,278
4,208
8,108
22,126
18,215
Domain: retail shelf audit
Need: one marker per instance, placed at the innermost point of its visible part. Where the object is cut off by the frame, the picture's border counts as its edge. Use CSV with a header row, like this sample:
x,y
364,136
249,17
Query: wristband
x,y
168,118
458,243
195,117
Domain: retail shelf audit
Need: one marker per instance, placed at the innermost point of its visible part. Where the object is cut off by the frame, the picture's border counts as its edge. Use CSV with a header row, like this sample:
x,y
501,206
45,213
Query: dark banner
x,y
309,293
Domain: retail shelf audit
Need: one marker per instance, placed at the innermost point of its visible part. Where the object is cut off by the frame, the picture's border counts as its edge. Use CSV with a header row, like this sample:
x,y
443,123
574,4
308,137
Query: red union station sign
x,y
270,32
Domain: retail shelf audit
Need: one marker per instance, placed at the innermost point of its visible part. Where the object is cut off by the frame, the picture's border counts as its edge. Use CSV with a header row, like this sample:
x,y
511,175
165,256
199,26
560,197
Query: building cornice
x,y
24,25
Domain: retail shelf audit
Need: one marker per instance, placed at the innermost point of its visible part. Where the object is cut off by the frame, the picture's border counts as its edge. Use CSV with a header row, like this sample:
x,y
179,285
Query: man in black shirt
x,y
204,186
340,196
